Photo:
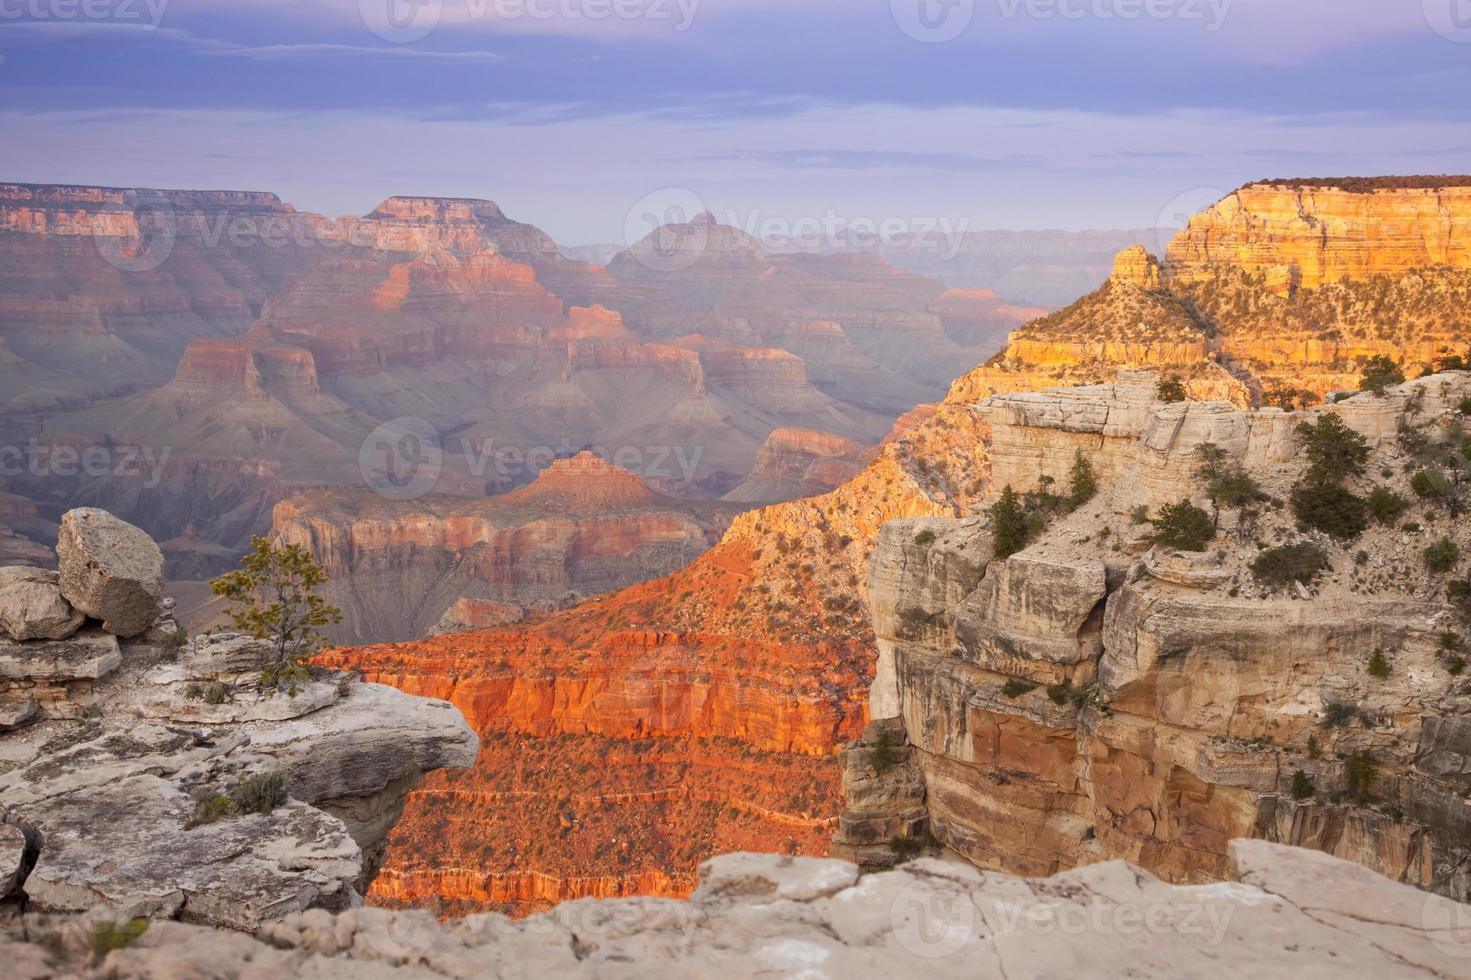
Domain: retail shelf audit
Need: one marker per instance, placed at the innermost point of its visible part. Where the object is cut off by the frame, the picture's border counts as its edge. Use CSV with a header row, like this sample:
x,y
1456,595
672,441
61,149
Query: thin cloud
x,y
145,34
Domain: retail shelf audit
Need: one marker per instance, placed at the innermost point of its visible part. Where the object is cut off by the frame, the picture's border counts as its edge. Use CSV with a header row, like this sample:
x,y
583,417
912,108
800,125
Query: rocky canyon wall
x,y
1097,695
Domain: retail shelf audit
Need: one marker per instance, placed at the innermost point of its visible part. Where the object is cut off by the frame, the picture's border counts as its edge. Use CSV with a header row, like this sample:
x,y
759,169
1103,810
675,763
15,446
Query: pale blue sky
x,y
1037,113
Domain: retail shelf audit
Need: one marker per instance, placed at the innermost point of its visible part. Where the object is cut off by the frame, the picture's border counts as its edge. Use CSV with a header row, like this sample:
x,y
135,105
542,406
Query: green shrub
x,y
1386,505
1442,556
215,694
1315,751
1360,773
1378,665
1082,485
212,810
1015,688
260,792
1431,485
1380,372
885,752
1330,508
1459,592
1183,526
925,537
1334,451
1465,406
1226,483
1171,389
1302,786
1336,714
1009,530
1282,566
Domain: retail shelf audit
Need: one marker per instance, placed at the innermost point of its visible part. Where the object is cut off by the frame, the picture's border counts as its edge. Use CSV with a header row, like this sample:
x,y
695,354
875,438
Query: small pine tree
x,y
1380,372
1183,526
1378,665
1360,773
273,597
1334,451
1082,485
1442,556
1008,524
1302,786
1171,389
1386,505
1330,508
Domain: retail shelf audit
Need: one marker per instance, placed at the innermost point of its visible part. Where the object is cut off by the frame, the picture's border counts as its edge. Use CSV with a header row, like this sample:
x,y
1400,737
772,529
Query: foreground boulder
x,y
32,606
1286,913
145,778
110,570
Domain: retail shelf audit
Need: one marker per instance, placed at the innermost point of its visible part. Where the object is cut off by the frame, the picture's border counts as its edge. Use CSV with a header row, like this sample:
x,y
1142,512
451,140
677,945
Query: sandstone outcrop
x,y
1304,234
110,570
32,606
1096,696
1283,913
1277,294
150,778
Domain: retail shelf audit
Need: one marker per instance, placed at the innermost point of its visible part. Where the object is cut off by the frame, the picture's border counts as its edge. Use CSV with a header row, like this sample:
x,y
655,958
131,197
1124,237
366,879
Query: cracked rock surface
x,y
1287,913
139,777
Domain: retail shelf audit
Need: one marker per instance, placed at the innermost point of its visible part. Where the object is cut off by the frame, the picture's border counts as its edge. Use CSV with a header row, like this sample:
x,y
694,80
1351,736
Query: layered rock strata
x,y
583,527
1095,695
1284,913
147,776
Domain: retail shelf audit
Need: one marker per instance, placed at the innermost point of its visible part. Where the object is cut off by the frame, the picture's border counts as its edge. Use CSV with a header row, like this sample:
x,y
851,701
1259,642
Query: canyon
x,y
764,647
190,359
402,569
